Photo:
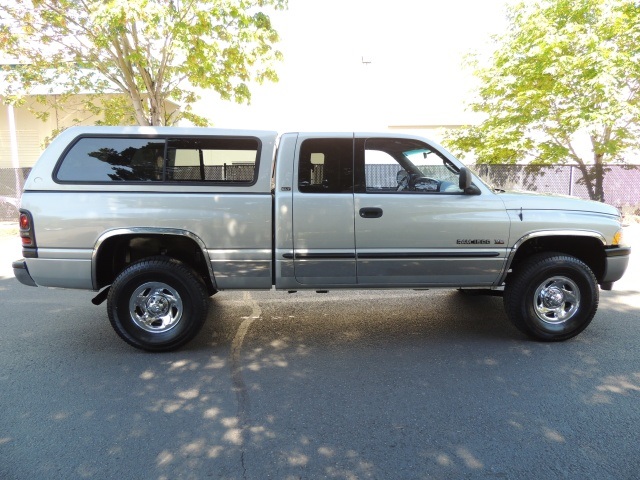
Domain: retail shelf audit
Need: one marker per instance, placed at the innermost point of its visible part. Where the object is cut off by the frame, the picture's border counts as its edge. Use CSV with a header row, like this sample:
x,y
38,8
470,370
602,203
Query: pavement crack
x,y
237,378
244,468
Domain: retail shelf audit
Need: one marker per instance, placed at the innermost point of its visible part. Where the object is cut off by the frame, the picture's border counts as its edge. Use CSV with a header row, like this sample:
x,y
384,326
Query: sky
x,y
415,76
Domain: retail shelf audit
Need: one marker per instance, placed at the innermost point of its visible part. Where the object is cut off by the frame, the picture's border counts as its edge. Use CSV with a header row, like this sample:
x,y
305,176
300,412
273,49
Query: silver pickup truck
x,y
158,219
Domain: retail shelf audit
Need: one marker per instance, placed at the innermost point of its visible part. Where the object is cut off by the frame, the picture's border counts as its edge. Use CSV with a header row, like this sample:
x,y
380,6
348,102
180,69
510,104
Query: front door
x,y
413,224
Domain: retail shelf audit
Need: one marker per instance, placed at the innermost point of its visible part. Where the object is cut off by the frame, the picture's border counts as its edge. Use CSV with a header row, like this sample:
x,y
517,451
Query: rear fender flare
x,y
147,231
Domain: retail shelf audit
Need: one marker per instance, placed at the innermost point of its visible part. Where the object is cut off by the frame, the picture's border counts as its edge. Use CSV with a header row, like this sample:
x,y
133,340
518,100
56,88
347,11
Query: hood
x,y
544,201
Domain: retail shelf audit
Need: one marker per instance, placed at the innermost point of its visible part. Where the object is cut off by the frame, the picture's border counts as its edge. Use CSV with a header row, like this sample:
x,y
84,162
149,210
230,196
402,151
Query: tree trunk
x,y
587,179
598,178
593,177
138,108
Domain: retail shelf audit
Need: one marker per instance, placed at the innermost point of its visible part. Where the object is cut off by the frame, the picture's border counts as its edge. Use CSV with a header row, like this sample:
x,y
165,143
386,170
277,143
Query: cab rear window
x,y
168,160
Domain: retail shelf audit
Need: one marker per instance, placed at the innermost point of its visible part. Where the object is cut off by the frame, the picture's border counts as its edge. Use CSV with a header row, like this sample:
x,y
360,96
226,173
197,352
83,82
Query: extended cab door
x,y
323,211
415,227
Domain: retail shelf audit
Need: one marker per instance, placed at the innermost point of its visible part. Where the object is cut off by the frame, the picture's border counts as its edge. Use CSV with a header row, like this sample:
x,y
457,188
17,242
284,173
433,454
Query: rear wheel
x,y
551,297
157,304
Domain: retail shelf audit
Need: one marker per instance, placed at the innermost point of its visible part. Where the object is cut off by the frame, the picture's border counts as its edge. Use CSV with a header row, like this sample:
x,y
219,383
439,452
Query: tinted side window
x,y
212,159
113,159
326,166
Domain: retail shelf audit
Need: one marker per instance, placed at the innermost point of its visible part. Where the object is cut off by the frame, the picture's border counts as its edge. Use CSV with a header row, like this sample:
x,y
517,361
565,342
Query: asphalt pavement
x,y
344,385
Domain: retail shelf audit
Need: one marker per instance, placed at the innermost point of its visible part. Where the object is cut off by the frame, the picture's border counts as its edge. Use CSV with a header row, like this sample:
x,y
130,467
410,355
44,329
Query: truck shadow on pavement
x,y
385,316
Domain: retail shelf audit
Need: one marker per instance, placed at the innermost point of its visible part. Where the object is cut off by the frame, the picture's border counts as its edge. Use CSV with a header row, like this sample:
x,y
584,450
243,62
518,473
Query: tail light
x,y
27,235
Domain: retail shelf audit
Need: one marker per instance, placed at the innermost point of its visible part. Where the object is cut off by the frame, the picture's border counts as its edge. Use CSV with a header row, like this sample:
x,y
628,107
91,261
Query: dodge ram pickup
x,y
157,219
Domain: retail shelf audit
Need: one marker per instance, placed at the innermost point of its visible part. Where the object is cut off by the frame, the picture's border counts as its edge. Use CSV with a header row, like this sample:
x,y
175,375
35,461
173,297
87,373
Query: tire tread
x,y
519,280
196,288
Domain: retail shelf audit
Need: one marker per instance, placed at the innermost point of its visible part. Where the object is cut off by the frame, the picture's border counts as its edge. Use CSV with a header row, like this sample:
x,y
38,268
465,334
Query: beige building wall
x,y
32,133
28,132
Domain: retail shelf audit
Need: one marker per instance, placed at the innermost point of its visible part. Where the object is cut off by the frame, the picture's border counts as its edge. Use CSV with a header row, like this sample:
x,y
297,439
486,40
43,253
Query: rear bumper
x,y
21,272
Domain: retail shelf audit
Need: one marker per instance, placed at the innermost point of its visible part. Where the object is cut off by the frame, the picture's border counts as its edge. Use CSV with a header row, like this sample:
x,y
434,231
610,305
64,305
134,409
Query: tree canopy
x,y
151,51
564,69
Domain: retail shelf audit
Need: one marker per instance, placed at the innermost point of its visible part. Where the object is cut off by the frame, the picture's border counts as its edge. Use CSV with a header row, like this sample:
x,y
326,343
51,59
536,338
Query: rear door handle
x,y
370,212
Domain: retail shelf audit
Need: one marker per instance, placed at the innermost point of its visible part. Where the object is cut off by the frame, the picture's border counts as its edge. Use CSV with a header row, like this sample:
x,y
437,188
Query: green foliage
x,y
155,52
565,69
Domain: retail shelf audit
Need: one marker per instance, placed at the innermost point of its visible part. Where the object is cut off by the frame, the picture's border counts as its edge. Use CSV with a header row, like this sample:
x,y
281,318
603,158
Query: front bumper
x,y
616,262
21,272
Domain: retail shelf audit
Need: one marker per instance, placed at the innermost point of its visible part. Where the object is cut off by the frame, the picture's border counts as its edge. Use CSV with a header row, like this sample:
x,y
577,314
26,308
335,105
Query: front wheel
x,y
551,296
157,304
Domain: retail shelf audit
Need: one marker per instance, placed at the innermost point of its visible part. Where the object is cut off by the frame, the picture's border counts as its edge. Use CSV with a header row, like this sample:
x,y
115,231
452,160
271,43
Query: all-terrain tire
x,y
157,304
551,296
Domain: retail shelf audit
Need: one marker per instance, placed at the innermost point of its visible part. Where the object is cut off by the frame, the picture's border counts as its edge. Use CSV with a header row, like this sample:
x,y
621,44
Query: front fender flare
x,y
546,233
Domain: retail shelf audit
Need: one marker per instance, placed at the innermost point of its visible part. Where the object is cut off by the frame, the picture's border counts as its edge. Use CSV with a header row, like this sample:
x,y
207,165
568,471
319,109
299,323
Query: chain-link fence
x,y
621,183
212,173
11,183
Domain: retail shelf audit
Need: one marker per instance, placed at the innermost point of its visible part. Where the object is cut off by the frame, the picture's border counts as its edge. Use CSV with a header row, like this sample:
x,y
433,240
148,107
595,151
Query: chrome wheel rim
x,y
155,307
556,300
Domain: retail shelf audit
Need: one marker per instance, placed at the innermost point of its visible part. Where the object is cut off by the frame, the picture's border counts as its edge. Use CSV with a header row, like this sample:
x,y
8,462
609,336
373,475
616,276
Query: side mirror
x,y
465,182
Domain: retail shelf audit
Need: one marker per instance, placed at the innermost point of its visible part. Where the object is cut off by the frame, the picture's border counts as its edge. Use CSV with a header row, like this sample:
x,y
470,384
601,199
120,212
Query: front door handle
x,y
371,212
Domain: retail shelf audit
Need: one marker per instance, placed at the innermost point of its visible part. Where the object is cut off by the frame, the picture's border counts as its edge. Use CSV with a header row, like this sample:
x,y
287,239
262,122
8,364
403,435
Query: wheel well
x,y
587,249
117,252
